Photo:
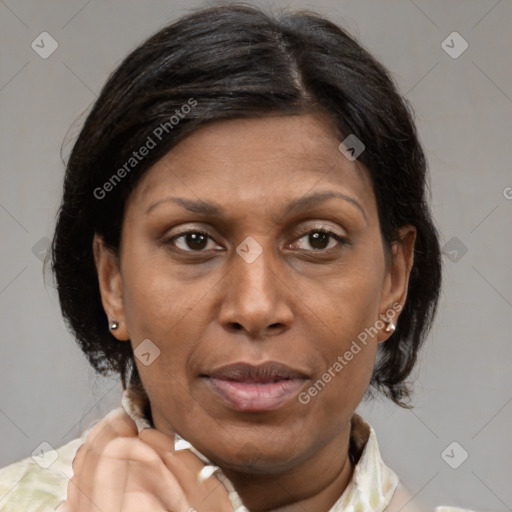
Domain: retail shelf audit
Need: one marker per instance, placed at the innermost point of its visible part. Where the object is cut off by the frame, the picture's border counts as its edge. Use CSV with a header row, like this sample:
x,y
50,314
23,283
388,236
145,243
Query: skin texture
x,y
118,469
204,306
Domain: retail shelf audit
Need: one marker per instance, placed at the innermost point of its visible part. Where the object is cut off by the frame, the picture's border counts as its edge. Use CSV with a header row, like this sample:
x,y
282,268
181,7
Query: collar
x,y
371,488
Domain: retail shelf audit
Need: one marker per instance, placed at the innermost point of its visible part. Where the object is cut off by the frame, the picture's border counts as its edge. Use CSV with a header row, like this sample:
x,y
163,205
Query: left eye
x,y
320,239
193,241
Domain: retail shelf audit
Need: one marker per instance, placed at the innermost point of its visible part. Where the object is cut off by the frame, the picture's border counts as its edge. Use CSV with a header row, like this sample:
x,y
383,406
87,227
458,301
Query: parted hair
x,y
239,61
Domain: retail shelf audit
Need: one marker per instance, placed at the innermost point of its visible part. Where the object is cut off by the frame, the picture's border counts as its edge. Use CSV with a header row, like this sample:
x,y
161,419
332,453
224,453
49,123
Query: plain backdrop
x,y
463,106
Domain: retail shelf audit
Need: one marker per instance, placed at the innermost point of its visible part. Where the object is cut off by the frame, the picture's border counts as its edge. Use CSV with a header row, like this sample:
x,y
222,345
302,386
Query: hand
x,y
119,470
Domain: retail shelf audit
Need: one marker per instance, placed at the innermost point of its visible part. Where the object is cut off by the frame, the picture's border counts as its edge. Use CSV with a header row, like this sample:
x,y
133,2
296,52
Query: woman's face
x,y
252,242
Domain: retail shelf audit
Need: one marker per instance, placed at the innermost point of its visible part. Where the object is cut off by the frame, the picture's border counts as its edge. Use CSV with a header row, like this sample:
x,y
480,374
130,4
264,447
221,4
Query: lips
x,y
263,373
251,388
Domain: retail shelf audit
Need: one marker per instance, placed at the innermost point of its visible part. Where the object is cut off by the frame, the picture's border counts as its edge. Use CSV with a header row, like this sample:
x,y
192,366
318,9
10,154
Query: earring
x,y
114,324
390,327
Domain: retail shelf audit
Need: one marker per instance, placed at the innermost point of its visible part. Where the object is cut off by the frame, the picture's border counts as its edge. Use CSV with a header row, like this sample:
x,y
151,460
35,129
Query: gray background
x,y
464,112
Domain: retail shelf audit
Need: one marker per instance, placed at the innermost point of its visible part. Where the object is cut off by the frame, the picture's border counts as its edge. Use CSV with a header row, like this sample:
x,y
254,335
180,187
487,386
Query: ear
x,y
394,291
111,286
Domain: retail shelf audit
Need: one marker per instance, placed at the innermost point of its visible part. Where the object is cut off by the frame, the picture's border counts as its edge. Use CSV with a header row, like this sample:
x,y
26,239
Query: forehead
x,y
254,160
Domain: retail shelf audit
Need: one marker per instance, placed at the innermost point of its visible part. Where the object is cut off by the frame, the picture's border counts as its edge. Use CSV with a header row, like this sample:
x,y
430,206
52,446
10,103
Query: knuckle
x,y
119,447
130,449
189,459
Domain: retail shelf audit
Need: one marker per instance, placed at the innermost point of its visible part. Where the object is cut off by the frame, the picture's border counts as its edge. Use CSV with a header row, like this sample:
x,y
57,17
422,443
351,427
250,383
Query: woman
x,y
244,239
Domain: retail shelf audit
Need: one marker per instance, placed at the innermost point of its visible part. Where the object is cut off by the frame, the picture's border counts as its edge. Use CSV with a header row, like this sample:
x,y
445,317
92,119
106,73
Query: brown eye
x,y
192,241
319,240
196,241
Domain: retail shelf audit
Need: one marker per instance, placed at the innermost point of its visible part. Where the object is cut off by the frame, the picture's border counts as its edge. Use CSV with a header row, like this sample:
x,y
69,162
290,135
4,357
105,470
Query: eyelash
x,y
341,240
192,231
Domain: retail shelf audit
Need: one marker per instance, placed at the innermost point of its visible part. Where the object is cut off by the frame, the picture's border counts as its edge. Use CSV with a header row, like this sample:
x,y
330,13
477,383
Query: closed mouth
x,y
255,388
267,372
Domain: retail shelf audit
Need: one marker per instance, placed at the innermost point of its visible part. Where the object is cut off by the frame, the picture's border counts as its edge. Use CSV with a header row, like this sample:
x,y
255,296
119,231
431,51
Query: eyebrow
x,y
303,203
195,206
312,200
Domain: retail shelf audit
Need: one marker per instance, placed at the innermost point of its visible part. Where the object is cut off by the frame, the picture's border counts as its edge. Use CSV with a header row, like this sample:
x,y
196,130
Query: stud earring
x,y
114,324
390,327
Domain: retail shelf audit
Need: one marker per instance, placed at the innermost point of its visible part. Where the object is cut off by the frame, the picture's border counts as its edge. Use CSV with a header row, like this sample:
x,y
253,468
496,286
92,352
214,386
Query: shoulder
x,y
403,501
39,483
452,509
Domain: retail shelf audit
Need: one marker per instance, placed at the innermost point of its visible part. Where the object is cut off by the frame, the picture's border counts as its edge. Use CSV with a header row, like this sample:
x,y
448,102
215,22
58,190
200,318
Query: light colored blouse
x,y
39,483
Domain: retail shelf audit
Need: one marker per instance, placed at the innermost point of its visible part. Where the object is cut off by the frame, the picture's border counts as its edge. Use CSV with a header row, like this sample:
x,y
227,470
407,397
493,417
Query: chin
x,y
251,459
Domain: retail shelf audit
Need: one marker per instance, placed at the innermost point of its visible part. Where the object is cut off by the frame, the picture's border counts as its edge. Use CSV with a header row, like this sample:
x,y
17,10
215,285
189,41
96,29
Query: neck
x,y
313,485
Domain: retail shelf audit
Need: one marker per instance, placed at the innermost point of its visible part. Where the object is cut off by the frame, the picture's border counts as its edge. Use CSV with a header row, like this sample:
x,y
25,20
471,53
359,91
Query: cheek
x,y
348,359
349,302
148,297
347,307
157,302
160,309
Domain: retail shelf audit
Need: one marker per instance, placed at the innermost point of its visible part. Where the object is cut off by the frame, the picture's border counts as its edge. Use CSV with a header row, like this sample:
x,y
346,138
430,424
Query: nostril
x,y
274,328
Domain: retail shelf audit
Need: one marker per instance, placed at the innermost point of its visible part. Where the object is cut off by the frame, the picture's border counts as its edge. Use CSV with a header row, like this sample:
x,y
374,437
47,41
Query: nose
x,y
257,297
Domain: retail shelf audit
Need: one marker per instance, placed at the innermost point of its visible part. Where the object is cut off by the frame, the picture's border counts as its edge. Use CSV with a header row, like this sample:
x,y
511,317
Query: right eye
x,y
192,241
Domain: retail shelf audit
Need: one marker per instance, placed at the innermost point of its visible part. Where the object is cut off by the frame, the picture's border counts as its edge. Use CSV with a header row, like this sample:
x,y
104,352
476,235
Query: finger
x,y
161,443
164,446
126,475
99,479
157,482
90,471
147,479
115,424
186,467
77,469
189,460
